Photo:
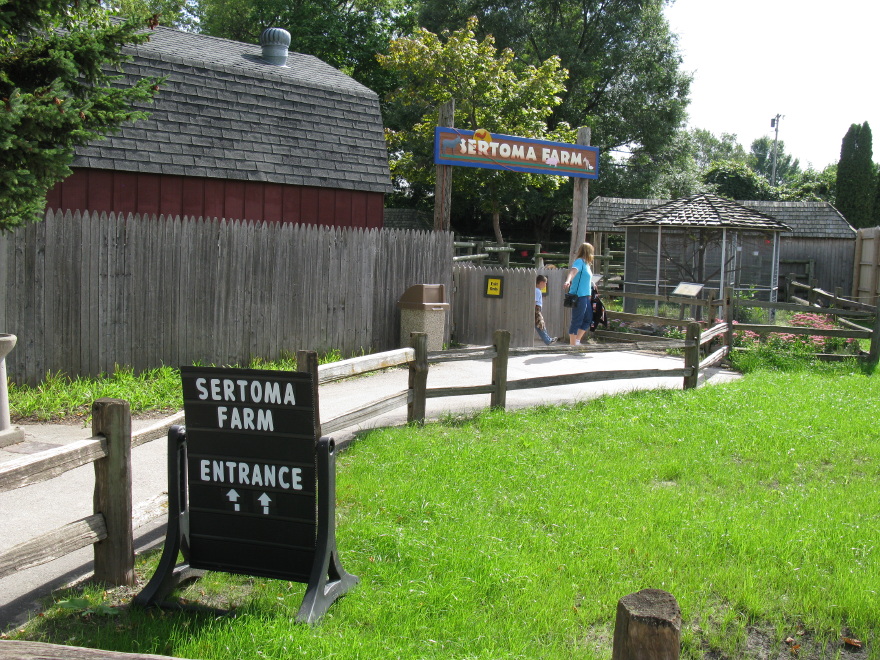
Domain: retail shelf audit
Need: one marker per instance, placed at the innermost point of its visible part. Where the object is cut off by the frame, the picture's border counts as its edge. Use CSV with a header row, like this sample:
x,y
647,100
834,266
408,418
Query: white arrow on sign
x,y
264,500
233,497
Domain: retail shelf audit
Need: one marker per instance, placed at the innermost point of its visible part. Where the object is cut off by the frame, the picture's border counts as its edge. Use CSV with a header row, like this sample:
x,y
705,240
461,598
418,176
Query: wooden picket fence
x,y
84,293
866,266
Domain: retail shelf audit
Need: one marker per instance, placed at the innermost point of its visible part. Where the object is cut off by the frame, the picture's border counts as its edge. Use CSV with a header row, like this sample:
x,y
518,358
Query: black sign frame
x,y
290,526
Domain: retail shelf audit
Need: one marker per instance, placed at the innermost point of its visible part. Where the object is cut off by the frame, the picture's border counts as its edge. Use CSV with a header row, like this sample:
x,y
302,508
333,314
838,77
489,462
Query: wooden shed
x,y
239,131
820,245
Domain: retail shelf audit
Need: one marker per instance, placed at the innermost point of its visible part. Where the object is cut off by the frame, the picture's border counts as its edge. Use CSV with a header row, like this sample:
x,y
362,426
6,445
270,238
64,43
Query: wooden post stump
x,y
114,556
498,398
418,378
648,627
692,356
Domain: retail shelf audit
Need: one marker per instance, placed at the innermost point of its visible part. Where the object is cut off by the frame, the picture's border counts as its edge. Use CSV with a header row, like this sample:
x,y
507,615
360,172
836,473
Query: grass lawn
x,y
513,535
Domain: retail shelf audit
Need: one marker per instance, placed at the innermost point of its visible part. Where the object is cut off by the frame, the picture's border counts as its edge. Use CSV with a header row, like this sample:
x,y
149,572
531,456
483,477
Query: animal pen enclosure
x,y
86,292
704,240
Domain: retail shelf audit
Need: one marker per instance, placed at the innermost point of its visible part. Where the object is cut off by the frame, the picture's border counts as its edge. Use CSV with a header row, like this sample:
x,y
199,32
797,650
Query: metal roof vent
x,y
274,42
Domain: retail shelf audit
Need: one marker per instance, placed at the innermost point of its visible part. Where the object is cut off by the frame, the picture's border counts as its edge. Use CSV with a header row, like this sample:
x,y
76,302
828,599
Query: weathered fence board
x,y
866,266
477,317
54,544
48,464
17,650
91,292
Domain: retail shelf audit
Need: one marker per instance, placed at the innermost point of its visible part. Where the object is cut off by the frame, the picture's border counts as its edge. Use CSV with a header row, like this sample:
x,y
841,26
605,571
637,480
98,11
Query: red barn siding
x,y
214,198
193,203
148,194
272,202
308,206
148,186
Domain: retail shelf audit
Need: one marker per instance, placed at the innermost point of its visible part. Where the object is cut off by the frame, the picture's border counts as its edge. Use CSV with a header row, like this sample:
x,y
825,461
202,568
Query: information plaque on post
x,y
251,487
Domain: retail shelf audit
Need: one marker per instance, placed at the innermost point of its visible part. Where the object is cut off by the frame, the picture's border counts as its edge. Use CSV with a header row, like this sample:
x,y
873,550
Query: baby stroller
x,y
599,315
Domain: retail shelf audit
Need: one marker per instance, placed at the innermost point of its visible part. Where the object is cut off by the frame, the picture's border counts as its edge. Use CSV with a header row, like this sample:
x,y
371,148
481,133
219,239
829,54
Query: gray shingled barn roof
x,y
806,219
225,113
708,211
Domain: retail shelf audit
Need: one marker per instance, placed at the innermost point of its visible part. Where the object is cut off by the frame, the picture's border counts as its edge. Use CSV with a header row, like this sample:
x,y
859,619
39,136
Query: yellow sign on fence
x,y
494,286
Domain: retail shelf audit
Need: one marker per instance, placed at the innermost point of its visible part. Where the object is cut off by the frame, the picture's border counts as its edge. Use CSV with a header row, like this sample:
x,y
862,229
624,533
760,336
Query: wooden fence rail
x,y
110,527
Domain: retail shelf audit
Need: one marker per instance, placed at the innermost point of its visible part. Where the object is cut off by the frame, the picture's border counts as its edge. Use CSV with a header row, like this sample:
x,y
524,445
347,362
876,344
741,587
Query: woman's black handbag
x,y
571,299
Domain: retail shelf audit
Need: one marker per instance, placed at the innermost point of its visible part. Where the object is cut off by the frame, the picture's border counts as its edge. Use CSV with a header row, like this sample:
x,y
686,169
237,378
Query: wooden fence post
x,y
307,361
874,351
711,317
418,378
729,301
648,625
692,356
499,369
114,556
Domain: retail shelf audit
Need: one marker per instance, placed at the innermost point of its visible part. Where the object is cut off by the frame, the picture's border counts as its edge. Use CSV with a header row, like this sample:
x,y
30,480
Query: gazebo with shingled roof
x,y
702,239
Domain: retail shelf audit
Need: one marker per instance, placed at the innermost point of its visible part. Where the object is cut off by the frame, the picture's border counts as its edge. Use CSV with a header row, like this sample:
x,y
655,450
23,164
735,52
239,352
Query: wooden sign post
x,y
251,488
443,183
580,203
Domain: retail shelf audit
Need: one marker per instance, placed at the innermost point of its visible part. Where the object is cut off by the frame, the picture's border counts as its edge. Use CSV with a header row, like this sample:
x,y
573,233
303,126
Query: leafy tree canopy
x,y
346,34
709,148
57,91
761,161
624,78
491,90
812,185
180,14
735,180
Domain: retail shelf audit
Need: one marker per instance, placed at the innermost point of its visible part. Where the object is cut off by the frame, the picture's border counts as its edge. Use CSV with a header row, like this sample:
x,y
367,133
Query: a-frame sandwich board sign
x,y
251,488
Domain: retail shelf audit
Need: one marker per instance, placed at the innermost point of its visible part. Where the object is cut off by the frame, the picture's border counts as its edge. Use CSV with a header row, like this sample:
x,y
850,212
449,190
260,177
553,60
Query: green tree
x,y
812,185
856,181
624,67
180,14
877,198
490,91
708,148
735,180
672,174
346,34
58,90
761,160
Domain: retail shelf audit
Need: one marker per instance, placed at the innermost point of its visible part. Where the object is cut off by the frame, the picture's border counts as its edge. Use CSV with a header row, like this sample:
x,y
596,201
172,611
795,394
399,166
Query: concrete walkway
x,y
33,510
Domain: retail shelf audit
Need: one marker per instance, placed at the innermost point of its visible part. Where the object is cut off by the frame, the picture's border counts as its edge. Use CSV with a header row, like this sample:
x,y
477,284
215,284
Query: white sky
x,y
814,62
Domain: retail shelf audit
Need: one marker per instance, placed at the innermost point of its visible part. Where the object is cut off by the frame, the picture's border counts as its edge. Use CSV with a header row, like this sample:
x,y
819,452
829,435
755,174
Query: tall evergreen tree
x,y
58,90
876,221
856,182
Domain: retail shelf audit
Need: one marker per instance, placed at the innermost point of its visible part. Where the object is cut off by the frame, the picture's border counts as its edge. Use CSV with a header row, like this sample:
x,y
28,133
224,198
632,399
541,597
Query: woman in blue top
x,y
579,283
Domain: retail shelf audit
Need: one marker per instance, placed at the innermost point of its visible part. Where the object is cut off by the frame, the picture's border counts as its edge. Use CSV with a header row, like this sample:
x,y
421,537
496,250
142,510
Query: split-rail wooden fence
x,y
110,528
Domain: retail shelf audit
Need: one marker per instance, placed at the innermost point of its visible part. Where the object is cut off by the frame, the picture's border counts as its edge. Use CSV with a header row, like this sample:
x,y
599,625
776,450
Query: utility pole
x,y
774,123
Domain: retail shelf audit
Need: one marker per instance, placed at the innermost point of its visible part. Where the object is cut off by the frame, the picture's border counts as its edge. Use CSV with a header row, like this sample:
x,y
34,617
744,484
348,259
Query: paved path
x,y
33,510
